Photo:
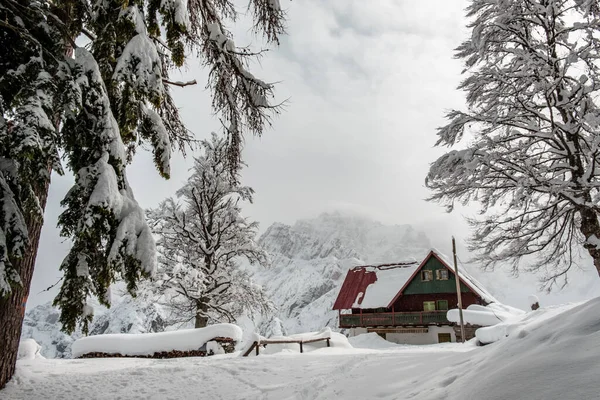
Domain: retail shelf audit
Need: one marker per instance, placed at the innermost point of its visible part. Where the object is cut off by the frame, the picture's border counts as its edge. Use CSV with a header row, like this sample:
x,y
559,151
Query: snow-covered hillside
x,y
309,261
344,236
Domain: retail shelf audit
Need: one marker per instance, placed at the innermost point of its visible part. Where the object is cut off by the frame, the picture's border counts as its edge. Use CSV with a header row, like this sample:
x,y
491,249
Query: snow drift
x,y
550,354
515,324
370,341
491,314
150,343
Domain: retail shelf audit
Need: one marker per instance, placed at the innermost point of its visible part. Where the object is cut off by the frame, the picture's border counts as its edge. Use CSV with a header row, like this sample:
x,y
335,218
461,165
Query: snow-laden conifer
x,y
530,135
95,105
202,239
110,236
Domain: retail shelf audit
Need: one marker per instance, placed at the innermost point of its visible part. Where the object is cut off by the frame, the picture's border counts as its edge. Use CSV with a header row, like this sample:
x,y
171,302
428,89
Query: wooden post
x,y
458,293
301,349
257,344
328,345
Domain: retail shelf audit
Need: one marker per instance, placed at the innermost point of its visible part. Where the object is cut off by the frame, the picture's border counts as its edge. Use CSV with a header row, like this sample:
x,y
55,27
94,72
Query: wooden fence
x,y
256,345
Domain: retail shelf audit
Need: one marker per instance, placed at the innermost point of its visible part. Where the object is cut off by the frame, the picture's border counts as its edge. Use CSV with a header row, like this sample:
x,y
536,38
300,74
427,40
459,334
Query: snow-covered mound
x,y
140,344
310,260
515,324
491,314
370,341
553,354
29,350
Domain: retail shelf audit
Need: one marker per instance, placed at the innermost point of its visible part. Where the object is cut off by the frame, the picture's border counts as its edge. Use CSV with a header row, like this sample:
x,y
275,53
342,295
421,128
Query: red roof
x,y
359,278
356,282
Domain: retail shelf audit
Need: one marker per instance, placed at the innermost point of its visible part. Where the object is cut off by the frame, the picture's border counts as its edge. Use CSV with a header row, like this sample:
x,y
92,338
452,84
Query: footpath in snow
x,y
552,354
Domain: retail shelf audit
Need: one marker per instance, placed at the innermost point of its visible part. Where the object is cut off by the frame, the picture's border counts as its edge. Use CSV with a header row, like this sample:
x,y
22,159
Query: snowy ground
x,y
545,358
325,374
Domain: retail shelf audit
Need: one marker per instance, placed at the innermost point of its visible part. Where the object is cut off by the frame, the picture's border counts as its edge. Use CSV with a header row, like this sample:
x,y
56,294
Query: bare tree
x,y
532,132
201,241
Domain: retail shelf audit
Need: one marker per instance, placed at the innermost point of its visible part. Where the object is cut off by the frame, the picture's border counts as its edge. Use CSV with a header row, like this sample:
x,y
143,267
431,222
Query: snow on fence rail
x,y
188,342
264,342
301,339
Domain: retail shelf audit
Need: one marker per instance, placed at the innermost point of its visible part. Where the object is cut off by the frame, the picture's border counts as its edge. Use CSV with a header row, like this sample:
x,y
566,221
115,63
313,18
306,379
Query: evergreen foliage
x,y
94,106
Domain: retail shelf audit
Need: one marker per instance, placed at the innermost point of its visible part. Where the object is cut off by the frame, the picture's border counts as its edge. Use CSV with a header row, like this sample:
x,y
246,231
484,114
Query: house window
x,y
444,338
441,274
442,305
426,275
429,306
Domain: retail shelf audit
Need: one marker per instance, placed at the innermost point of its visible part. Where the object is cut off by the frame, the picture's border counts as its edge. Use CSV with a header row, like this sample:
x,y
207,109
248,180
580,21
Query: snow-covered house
x,y
407,302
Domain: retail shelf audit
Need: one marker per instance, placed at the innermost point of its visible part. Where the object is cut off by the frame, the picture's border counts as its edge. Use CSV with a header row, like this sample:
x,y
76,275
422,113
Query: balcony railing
x,y
393,319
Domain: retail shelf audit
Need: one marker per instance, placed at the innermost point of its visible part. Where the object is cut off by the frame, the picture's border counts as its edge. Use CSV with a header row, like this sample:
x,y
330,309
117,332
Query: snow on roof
x,y
375,286
354,286
389,280
386,278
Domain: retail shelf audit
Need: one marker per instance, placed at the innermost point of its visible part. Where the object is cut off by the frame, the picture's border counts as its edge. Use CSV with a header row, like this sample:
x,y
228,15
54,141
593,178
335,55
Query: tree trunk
x,y
12,307
590,227
201,309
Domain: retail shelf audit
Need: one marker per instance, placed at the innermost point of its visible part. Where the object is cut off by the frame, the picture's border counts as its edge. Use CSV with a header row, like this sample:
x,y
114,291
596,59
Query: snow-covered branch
x,y
201,241
534,130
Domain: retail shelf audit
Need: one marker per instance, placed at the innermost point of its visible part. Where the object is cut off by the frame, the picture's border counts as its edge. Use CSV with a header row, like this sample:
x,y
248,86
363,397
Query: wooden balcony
x,y
394,319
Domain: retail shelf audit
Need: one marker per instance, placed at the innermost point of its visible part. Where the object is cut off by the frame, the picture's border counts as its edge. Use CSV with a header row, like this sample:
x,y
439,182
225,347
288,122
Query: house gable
x,y
415,285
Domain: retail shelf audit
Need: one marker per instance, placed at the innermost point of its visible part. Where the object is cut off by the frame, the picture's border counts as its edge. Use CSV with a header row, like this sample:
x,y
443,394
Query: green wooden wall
x,y
417,286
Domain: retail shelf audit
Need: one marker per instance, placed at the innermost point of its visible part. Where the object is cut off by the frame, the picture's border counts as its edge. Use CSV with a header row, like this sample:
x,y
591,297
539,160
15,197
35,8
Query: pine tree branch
x,y
51,286
180,83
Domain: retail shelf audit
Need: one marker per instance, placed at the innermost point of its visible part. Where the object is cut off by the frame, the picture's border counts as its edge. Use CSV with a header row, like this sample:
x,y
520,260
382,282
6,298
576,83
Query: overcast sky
x,y
367,87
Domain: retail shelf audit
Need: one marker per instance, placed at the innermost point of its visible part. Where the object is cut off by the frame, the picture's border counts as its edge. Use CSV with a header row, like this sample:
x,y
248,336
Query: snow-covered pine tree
x,y
202,238
96,105
533,133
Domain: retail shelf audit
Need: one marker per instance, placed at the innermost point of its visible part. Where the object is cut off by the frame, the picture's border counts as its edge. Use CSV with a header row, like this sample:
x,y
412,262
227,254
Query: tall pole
x,y
460,312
